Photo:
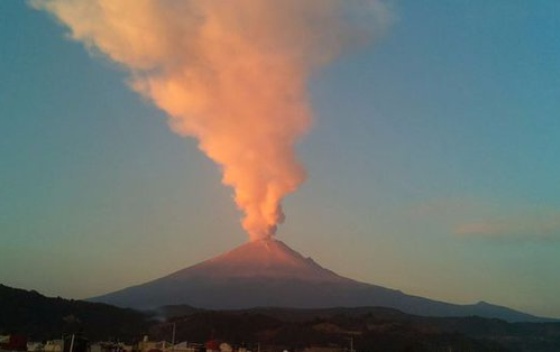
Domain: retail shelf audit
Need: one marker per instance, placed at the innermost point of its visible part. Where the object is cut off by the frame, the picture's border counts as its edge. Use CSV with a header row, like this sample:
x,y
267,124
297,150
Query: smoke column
x,y
231,73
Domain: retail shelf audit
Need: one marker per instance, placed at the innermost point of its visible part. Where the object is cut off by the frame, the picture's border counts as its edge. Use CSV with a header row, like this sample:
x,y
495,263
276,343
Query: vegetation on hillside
x,y
273,329
39,318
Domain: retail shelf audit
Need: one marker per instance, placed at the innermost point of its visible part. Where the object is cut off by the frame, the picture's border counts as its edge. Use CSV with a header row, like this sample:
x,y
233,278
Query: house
x,y
54,346
13,343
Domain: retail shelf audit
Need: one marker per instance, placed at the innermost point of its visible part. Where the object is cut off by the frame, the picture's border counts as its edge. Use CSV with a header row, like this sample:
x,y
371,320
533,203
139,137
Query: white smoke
x,y
232,74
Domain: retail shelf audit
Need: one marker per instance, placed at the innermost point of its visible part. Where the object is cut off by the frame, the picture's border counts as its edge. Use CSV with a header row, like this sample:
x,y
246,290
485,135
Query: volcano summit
x,y
268,273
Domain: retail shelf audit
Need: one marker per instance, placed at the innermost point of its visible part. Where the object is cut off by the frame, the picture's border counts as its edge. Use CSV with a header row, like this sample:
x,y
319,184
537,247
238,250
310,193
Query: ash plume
x,y
232,74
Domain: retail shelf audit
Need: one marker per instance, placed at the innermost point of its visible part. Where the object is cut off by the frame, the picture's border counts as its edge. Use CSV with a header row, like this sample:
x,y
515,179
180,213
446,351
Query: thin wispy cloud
x,y
529,227
484,219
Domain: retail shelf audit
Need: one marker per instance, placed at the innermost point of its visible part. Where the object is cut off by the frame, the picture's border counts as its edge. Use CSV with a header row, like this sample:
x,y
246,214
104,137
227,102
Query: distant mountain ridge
x,y
268,273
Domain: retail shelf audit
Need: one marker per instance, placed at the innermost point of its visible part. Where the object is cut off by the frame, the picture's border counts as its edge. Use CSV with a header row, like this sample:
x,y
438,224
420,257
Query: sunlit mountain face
x,y
261,259
268,273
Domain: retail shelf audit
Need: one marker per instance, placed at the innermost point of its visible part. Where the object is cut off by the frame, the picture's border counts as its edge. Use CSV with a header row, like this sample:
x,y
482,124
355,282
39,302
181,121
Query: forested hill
x,y
38,317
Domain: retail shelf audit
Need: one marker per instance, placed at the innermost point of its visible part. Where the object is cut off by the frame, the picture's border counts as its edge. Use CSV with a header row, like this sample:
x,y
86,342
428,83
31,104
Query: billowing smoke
x,y
231,73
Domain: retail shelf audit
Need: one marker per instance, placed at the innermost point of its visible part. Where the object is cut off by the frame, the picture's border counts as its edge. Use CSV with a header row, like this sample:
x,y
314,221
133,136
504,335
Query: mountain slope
x,y
267,273
268,259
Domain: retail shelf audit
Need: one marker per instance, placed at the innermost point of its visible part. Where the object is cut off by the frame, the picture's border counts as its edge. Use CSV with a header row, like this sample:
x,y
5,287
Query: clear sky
x,y
433,163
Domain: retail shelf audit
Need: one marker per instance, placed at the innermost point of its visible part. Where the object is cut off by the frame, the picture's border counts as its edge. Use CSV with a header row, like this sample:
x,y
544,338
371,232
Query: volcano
x,y
268,273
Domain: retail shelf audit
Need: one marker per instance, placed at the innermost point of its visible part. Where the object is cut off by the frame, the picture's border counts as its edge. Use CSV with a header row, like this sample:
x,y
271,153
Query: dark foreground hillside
x,y
272,329
370,328
39,318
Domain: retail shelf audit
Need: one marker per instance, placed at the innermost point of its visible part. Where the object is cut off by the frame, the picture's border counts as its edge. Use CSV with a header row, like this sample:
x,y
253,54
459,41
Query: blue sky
x,y
433,163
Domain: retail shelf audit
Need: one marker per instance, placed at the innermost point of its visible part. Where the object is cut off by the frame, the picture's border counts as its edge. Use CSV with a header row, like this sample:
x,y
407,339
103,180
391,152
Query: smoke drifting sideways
x,y
232,74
